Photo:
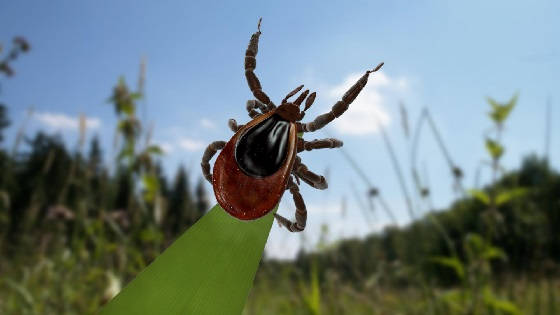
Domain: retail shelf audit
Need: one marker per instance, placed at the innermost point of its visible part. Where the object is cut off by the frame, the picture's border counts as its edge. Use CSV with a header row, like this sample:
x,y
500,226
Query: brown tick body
x,y
260,161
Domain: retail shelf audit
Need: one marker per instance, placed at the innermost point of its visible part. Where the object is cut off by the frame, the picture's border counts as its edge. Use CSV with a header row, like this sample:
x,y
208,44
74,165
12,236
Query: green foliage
x,y
480,251
474,275
151,187
510,194
480,195
312,295
453,263
495,149
499,305
492,236
154,149
74,231
4,121
501,111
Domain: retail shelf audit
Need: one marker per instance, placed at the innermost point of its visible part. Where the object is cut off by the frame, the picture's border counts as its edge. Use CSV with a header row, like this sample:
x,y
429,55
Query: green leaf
x,y
150,234
151,187
494,148
474,241
499,111
129,127
480,195
491,253
455,299
151,182
312,296
503,306
510,194
477,248
154,149
451,262
208,270
474,245
135,95
21,291
5,200
127,107
126,152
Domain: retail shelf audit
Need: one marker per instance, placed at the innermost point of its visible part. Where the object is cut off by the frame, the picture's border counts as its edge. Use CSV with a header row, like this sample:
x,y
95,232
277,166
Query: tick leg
x,y
312,179
253,105
232,124
250,65
208,154
341,106
301,211
328,143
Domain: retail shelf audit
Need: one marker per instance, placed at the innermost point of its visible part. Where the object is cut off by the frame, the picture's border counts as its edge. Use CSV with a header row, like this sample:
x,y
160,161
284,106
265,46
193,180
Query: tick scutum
x,y
261,151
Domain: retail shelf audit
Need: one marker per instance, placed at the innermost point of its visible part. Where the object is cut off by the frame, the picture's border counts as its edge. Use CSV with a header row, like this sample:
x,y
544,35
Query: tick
x,y
260,161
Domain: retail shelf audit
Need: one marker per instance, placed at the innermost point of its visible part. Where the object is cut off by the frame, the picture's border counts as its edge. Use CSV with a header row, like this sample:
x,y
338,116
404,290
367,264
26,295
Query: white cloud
x,y
368,109
60,121
191,144
207,123
330,208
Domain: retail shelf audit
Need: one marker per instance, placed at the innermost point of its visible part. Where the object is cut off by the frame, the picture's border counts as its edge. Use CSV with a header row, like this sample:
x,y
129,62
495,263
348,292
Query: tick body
x,y
251,173
260,162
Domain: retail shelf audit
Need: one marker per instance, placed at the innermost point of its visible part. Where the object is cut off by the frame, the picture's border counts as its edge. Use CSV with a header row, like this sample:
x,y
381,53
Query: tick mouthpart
x,y
301,97
292,93
289,112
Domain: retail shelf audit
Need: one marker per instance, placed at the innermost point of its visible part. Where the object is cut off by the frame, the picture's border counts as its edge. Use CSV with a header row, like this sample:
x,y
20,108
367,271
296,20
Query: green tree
x,y
201,200
181,210
4,121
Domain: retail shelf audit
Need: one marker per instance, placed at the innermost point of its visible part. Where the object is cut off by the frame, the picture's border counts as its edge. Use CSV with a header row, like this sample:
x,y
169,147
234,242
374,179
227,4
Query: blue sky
x,y
448,56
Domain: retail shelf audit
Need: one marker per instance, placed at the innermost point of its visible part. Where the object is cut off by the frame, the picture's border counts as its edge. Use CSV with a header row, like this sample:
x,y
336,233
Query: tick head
x,y
290,112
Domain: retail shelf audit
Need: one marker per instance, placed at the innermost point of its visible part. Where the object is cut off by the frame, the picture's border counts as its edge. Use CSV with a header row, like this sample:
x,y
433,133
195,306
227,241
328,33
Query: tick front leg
x,y
253,105
208,154
341,106
328,143
301,211
250,65
310,178
232,124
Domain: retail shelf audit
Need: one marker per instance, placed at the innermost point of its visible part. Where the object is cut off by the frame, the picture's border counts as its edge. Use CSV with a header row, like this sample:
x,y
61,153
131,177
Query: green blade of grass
x,y
208,270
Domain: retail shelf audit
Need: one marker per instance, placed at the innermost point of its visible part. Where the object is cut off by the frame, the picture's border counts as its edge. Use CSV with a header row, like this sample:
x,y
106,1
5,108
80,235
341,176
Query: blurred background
x,y
445,198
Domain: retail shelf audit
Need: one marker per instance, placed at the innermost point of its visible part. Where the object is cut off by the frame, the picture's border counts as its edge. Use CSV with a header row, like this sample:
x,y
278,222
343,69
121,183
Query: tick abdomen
x,y
262,150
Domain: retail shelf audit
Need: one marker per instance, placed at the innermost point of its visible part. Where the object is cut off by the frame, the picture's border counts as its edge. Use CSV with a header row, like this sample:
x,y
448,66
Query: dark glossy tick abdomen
x,y
261,151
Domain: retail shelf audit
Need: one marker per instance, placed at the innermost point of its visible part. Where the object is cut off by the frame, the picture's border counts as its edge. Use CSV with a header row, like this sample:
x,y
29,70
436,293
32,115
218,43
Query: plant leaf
x,y
494,148
135,96
491,253
151,187
451,262
503,306
499,111
126,152
455,299
154,149
480,195
312,296
510,194
207,270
